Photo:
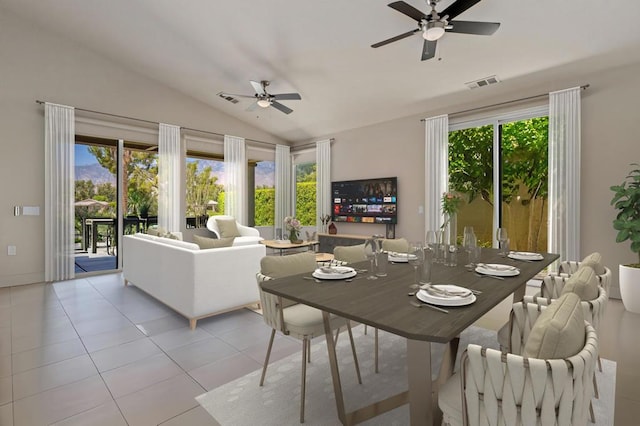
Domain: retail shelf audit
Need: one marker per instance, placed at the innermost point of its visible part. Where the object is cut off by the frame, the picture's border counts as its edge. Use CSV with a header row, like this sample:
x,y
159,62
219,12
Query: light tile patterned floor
x,y
93,351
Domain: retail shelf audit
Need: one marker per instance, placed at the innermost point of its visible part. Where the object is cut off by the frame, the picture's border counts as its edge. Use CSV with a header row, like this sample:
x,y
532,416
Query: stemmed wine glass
x,y
370,250
501,236
470,242
415,256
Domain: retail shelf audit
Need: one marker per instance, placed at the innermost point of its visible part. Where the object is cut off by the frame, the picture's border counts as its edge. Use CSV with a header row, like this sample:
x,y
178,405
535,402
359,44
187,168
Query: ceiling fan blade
x,y
396,38
234,95
257,87
287,97
457,8
428,49
408,10
472,27
279,106
252,107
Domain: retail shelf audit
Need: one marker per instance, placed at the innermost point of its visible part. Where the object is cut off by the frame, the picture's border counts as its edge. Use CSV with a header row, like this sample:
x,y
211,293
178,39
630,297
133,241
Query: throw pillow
x,y
584,283
595,261
227,228
209,243
559,331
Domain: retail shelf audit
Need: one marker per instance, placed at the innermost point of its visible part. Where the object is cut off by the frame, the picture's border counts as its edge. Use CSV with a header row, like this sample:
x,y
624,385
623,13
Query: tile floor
x,y
93,352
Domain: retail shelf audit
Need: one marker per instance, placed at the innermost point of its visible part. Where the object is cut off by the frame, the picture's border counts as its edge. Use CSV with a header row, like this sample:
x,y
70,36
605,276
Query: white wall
x,y
39,65
610,143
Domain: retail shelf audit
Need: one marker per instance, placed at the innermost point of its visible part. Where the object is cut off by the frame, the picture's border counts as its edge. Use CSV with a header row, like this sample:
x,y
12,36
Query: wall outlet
x,y
11,250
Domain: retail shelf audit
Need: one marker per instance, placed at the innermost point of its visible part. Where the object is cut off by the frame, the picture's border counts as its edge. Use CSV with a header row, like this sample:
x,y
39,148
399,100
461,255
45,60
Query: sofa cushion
x,y
584,283
227,228
559,331
350,254
210,243
283,266
595,261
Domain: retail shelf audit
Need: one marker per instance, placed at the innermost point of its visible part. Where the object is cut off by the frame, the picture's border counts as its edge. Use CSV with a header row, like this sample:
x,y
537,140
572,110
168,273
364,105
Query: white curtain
x,y
436,162
59,193
323,180
284,185
169,162
235,171
564,173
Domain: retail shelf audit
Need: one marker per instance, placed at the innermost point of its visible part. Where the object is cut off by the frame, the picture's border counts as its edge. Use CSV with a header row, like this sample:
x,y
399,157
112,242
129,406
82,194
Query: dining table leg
x,y
422,409
335,373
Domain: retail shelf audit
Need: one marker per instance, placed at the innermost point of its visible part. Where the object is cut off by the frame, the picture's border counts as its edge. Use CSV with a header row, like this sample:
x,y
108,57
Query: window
x,y
507,161
306,193
204,189
265,193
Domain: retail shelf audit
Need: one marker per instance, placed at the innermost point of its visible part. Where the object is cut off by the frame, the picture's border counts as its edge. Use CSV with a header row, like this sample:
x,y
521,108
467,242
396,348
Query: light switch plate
x,y
11,250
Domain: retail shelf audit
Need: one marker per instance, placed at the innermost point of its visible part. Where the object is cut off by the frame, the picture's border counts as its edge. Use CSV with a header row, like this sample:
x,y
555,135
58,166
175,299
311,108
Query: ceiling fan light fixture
x,y
264,103
433,30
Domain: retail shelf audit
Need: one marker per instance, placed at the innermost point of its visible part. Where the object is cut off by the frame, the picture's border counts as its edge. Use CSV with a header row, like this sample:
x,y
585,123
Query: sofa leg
x,y
126,282
192,324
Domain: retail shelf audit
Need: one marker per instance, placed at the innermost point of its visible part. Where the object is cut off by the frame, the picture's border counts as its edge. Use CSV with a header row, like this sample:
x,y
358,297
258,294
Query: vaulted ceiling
x,y
321,49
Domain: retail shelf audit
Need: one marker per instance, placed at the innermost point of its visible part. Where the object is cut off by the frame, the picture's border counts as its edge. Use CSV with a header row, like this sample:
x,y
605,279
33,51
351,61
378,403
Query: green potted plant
x,y
626,200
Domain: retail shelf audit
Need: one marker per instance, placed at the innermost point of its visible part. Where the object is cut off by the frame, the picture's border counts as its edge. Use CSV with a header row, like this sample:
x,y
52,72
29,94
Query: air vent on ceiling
x,y
483,82
228,98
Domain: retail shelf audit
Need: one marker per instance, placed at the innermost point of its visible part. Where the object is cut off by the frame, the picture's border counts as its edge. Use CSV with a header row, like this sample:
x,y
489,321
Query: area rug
x,y
244,402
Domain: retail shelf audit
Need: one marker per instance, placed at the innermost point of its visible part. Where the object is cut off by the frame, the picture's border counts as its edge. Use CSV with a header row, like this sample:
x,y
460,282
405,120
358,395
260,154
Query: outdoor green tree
x,y
265,201
202,186
84,190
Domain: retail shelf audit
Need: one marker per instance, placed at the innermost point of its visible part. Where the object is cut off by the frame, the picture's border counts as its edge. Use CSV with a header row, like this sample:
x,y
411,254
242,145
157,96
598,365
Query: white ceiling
x,y
321,49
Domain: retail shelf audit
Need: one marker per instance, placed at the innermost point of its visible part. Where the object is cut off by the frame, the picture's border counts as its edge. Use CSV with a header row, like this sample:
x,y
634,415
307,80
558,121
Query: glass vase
x,y
293,236
450,239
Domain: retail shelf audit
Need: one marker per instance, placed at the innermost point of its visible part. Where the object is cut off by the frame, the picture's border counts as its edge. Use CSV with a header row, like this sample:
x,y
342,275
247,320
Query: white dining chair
x,y
294,319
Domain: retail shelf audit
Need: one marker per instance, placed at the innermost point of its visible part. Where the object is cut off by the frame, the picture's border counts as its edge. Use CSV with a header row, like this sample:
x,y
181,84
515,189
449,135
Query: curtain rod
x,y
304,145
157,123
583,87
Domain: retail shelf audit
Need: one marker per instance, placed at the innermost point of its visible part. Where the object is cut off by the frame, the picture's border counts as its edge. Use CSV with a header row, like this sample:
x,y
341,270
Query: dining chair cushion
x,y
559,330
584,283
595,261
303,320
293,264
400,245
349,254
212,243
227,228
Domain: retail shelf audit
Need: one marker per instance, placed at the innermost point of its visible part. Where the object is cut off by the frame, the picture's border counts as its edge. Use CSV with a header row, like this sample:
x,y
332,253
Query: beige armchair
x,y
226,226
293,319
546,382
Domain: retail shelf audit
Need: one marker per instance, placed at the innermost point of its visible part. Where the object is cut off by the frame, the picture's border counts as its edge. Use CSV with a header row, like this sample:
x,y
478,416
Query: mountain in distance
x,y
95,173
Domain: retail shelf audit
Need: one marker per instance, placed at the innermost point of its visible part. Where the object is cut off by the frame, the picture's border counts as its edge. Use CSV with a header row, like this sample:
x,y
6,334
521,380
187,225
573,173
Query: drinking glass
x,y
415,255
370,250
469,242
438,247
502,237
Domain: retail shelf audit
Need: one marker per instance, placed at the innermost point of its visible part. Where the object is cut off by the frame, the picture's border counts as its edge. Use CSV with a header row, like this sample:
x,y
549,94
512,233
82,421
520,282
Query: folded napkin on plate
x,y
396,254
440,292
497,267
525,254
336,269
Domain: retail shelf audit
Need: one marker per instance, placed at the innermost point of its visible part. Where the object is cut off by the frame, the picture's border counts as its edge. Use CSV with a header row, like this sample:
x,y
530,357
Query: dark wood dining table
x,y
384,303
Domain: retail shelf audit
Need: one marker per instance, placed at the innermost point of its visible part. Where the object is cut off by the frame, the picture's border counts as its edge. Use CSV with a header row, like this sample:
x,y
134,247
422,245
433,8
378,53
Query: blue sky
x,y
83,156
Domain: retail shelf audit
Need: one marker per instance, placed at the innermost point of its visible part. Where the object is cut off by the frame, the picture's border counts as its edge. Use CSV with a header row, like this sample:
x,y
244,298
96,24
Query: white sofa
x,y
247,236
195,283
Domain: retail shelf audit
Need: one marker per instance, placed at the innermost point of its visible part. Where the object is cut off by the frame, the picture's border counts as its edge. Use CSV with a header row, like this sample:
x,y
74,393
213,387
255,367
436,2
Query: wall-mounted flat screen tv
x,y
365,201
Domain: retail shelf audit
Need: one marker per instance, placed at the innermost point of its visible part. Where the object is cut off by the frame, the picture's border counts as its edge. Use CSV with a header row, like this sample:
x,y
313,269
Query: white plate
x,y
340,273
525,255
497,269
446,300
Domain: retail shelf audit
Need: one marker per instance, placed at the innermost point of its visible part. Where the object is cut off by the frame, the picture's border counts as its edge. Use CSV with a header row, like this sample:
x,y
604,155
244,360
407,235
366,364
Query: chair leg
x,y
365,329
266,359
591,413
595,387
309,352
305,348
376,350
353,350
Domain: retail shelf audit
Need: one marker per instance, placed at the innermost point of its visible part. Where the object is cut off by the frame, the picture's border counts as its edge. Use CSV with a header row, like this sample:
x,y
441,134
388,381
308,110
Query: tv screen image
x,y
365,201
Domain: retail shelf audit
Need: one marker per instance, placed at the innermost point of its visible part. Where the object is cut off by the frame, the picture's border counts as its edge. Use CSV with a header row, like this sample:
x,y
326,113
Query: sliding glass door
x,y
500,168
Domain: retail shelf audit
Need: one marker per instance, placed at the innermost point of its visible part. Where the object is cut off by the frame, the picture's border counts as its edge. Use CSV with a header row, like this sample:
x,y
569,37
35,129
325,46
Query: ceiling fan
x,y
265,99
433,25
